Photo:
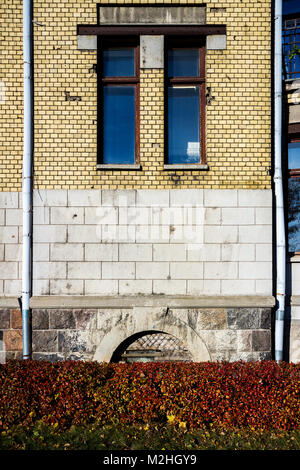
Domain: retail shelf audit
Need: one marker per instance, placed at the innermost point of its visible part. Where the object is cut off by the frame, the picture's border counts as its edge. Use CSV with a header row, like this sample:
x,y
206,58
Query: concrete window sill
x,y
186,166
135,166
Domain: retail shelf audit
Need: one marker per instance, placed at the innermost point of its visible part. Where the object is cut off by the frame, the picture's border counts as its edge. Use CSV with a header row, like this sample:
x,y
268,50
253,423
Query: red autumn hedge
x,y
259,395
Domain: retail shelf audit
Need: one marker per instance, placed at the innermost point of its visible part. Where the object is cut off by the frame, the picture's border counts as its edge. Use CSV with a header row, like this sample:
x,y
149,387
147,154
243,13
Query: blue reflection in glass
x,y
294,214
183,125
183,63
294,155
118,62
119,124
290,6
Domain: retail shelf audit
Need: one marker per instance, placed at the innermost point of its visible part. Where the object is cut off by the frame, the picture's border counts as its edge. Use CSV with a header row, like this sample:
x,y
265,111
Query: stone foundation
x,y
209,334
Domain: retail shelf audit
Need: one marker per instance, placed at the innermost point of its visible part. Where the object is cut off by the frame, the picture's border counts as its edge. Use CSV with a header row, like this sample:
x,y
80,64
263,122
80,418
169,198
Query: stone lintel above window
x,y
158,14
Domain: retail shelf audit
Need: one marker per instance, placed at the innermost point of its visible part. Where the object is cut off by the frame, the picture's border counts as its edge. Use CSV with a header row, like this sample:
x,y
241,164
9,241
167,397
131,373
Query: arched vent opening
x,y
149,346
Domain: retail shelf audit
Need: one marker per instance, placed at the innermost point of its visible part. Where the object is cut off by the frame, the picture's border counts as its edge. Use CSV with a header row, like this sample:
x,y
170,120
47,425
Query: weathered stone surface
x,y
44,341
261,340
212,319
243,318
217,356
9,200
11,356
265,318
62,319
244,340
79,357
87,43
152,52
264,356
74,342
16,319
226,332
54,357
13,340
5,319
216,42
192,316
86,319
169,14
40,319
242,356
294,352
220,356
226,340
174,301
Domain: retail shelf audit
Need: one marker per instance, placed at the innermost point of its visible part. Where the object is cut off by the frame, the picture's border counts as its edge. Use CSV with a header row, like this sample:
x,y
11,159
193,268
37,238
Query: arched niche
x,y
139,322
151,346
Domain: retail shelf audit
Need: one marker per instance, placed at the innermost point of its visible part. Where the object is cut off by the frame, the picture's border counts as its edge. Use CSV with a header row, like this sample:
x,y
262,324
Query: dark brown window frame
x,y
120,43
166,30
188,43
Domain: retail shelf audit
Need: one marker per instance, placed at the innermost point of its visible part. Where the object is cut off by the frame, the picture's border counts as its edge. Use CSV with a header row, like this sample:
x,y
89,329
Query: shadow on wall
x,y
150,346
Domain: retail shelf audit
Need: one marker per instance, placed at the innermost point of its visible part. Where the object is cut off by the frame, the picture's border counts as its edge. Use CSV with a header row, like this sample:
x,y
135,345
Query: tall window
x,y
185,104
294,195
119,105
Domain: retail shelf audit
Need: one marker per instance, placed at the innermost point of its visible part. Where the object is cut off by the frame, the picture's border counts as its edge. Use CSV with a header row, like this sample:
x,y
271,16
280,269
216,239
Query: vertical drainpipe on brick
x,y
27,174
280,225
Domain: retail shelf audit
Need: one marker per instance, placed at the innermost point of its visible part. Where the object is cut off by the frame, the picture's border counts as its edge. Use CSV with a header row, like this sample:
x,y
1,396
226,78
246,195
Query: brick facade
x,y
214,291
238,118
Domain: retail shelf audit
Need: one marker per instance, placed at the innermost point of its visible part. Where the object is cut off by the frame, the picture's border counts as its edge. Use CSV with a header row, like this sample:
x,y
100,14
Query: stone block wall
x,y
170,242
81,334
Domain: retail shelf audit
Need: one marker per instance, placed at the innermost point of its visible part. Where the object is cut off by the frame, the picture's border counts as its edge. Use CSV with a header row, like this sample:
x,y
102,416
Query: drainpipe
x,y
280,226
27,174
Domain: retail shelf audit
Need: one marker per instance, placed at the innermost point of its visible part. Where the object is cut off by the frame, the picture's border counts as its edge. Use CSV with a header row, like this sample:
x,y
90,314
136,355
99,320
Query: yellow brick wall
x,y
238,121
11,102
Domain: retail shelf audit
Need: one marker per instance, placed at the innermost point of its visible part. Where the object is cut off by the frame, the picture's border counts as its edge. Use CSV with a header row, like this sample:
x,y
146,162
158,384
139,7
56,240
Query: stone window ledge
x,y
186,166
135,166
295,258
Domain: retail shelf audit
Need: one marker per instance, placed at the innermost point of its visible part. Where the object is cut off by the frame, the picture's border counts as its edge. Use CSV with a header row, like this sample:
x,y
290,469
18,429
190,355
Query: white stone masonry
x,y
106,242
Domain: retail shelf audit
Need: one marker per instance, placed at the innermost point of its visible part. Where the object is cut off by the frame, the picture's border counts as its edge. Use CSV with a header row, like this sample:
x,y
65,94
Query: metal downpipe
x,y
27,175
279,200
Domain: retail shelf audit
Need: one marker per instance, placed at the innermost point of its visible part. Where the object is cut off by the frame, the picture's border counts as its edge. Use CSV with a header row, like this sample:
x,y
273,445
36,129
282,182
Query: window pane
x,y
294,214
290,6
290,24
118,62
294,155
184,125
291,44
119,124
183,63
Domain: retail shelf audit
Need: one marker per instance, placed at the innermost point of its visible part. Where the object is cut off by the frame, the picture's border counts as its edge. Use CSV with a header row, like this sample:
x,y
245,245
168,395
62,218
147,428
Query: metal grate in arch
x,y
156,347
